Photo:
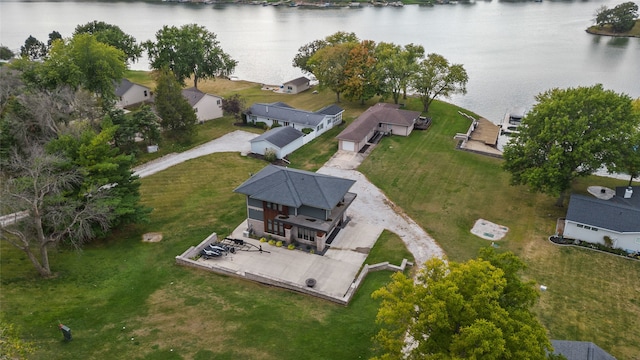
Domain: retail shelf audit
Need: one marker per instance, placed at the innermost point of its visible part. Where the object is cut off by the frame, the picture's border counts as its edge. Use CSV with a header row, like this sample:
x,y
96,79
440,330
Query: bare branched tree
x,y
37,187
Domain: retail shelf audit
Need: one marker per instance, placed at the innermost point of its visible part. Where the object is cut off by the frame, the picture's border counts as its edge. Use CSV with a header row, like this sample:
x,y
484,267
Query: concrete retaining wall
x,y
186,259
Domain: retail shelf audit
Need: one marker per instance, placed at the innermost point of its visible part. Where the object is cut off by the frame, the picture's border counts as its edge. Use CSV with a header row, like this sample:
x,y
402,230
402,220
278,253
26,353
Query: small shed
x,y
282,140
296,86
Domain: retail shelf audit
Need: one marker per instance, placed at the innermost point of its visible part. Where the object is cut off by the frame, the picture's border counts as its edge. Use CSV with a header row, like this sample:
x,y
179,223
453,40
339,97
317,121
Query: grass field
x,y
127,299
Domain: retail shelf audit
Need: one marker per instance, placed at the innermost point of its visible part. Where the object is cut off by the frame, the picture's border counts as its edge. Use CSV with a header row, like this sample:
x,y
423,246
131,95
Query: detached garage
x,y
282,140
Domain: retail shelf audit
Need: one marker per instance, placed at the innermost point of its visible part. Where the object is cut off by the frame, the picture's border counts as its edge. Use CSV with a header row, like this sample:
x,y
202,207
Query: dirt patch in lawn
x,y
152,237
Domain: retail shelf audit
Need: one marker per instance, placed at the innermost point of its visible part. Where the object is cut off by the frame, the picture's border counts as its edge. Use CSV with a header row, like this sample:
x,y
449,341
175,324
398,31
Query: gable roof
x,y
283,112
617,214
280,136
294,188
381,113
579,350
332,110
298,81
124,86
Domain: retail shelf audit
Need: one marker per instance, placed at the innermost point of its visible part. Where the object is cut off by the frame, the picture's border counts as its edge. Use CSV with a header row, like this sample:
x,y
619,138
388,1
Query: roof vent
x,y
628,192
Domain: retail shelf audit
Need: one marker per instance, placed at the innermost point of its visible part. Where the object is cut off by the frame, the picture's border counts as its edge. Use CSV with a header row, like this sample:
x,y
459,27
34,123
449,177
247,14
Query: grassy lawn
x,y
126,299
590,296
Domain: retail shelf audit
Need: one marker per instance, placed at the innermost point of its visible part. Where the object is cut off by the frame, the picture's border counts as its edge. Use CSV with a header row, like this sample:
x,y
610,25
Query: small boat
x,y
512,120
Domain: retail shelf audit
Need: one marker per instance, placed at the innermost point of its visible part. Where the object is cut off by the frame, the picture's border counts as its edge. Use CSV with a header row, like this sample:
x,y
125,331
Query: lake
x,y
511,50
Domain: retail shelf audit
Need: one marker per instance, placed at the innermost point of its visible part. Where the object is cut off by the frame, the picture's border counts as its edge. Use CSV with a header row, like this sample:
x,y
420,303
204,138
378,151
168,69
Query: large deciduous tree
x,y
569,133
435,77
114,36
395,66
479,309
38,186
190,50
361,79
177,117
621,18
328,65
83,61
305,52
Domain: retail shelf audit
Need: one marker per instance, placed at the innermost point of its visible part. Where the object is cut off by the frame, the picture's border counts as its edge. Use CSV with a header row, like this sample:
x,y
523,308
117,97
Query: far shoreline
x,y
605,31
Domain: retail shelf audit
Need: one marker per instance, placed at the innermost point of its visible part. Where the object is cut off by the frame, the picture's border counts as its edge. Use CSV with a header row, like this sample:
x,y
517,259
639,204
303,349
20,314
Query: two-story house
x,y
296,205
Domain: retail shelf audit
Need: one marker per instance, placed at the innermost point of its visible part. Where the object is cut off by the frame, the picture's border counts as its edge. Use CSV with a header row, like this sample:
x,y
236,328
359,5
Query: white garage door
x,y
348,145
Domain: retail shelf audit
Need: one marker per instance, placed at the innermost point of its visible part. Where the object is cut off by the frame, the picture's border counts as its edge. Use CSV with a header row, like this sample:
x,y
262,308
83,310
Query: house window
x,y
594,229
320,127
580,225
286,123
195,109
275,227
306,234
275,122
218,102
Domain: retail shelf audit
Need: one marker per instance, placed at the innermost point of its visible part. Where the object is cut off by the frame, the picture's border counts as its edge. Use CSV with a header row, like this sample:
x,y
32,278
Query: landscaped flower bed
x,y
599,247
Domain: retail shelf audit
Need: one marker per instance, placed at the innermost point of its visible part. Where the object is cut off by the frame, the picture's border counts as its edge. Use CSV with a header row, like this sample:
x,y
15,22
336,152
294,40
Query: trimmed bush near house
x,y
291,247
272,242
262,240
279,243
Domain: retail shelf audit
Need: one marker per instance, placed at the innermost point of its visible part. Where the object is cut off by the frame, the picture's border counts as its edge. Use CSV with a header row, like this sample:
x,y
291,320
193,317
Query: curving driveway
x,y
371,206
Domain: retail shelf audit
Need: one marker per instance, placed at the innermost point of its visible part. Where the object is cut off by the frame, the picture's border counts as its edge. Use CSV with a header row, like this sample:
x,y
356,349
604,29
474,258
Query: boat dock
x,y
482,136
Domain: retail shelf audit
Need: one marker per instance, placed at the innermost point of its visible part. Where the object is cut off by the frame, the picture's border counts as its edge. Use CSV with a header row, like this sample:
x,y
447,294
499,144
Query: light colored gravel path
x,y
237,141
373,207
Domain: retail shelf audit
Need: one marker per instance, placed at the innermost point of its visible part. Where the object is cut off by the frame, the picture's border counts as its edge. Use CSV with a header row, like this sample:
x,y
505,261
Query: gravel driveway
x,y
371,205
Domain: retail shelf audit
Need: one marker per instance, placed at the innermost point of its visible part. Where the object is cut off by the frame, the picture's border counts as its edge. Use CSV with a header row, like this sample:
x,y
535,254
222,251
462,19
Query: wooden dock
x,y
486,132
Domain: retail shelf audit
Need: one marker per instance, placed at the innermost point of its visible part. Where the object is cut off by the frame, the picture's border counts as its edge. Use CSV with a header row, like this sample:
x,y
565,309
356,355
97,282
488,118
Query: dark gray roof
x,y
123,87
283,112
331,110
298,81
280,136
380,113
617,214
295,188
579,350
192,95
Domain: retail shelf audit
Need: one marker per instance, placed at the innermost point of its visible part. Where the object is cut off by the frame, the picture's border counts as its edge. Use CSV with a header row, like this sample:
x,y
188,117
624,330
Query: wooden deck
x,y
486,132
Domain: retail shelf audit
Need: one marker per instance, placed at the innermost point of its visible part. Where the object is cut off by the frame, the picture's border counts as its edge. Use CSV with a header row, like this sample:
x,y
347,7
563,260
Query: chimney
x,y
628,192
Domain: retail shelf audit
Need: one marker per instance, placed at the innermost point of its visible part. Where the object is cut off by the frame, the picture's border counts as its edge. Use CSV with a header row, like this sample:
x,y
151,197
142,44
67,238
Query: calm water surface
x,y
512,51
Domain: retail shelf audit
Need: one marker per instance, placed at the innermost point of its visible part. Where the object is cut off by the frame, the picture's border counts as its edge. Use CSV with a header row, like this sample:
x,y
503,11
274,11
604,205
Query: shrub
x,y
270,155
279,243
608,242
312,251
262,239
261,125
275,126
291,247
307,131
272,242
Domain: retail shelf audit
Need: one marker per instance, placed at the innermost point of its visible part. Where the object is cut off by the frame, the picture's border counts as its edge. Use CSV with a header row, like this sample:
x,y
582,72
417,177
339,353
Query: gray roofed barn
x,y
580,350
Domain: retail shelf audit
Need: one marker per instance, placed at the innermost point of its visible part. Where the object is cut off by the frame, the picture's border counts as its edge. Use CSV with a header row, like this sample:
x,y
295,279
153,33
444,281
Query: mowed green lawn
x,y
127,299
123,298
590,297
